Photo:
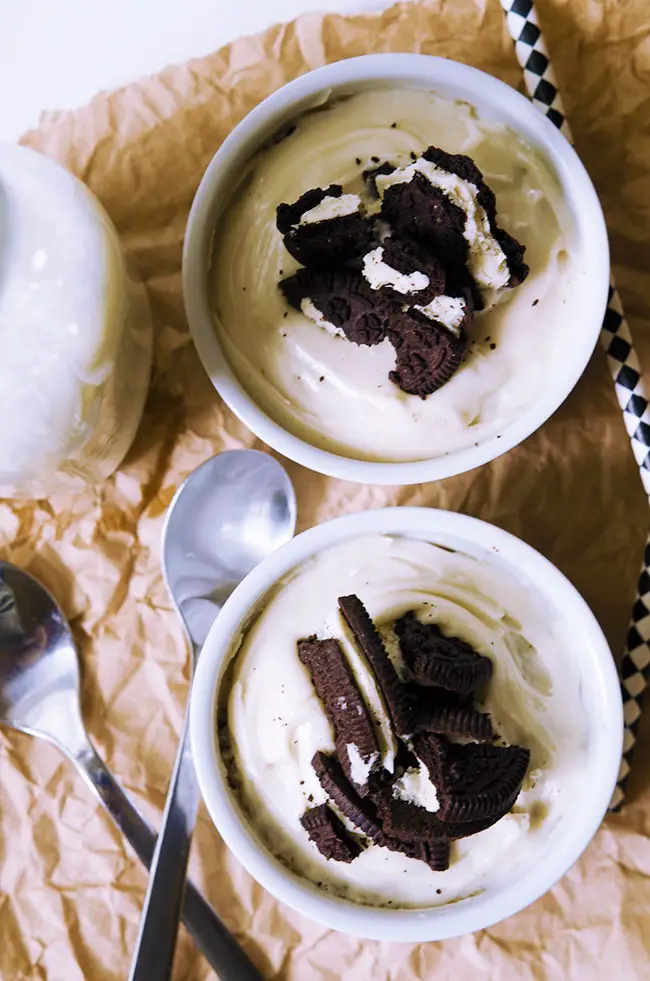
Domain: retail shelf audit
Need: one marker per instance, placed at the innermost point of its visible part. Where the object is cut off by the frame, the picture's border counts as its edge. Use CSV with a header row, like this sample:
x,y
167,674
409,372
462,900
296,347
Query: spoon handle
x,y
154,952
212,937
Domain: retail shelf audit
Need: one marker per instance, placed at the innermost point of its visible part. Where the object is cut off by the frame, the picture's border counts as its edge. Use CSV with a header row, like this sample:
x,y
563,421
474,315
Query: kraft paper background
x,y
70,888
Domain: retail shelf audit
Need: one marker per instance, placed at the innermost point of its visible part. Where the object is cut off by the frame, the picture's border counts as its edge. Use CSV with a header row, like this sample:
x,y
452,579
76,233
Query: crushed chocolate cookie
x,y
463,721
479,781
405,258
329,834
362,813
372,647
328,243
343,299
418,209
344,706
434,659
427,354
371,173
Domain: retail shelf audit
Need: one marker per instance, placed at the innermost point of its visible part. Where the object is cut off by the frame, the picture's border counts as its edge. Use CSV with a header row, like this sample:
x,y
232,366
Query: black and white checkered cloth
x,y
625,370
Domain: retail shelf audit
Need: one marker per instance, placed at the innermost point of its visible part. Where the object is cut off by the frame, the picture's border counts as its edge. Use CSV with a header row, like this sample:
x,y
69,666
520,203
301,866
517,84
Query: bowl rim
x,y
414,925
287,102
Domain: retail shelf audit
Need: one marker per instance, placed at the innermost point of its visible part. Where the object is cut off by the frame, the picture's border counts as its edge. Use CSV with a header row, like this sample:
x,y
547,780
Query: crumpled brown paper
x,y
71,889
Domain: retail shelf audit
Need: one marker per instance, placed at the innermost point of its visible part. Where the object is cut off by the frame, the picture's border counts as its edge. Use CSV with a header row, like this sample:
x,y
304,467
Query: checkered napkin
x,y
625,370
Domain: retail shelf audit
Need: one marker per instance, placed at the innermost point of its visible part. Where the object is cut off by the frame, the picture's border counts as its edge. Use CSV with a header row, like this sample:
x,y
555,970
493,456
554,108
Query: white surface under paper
x,y
57,54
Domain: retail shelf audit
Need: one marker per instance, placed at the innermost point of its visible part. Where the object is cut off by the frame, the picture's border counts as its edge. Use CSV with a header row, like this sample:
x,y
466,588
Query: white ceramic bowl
x,y
599,685
493,99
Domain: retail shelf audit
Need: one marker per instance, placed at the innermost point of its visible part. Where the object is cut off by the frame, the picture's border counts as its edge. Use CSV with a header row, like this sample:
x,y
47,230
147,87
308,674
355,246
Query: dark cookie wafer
x,y
345,708
434,659
324,244
371,174
407,257
288,215
362,813
435,753
438,851
439,756
434,852
344,299
514,253
329,834
453,831
461,721
418,209
372,647
465,168
427,355
481,781
425,697
406,821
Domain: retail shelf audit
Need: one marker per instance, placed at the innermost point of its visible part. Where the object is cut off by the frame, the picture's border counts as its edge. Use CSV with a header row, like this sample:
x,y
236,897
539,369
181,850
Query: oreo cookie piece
x,y
514,253
427,354
441,760
454,314
335,685
401,270
371,174
434,659
480,782
329,834
325,228
438,854
341,301
462,721
435,752
408,822
434,852
362,813
421,211
465,168
372,647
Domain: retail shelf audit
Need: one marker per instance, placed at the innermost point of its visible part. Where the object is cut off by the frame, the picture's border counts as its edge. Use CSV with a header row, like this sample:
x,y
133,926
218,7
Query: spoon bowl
x,y
39,669
230,513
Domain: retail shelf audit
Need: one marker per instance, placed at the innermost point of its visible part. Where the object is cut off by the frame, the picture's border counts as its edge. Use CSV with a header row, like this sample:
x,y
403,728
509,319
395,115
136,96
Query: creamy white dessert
x,y
272,722
337,395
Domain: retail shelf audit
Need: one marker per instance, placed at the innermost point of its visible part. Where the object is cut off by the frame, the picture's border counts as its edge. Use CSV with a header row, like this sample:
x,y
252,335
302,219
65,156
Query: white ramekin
x,y
598,681
494,100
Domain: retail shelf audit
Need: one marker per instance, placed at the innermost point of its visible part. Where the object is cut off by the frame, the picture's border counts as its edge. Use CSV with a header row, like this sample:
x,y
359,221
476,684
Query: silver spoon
x,y
39,694
230,513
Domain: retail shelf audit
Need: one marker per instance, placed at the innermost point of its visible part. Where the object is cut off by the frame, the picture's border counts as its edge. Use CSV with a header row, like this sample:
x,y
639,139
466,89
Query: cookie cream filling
x,y
487,262
309,308
378,273
331,207
279,354
272,722
447,310
415,786
360,768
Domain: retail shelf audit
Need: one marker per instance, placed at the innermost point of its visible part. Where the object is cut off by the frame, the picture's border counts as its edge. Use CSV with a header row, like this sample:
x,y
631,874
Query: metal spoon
x,y
39,694
229,514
